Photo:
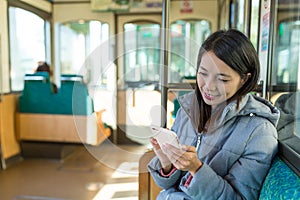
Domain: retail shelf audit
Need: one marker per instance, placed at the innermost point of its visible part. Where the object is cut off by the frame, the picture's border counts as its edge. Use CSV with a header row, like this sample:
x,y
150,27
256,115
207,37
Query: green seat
x,y
177,104
35,86
180,93
72,97
280,183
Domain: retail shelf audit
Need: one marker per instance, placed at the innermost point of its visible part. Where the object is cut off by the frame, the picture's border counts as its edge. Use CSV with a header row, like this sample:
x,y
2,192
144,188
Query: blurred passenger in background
x,y
44,67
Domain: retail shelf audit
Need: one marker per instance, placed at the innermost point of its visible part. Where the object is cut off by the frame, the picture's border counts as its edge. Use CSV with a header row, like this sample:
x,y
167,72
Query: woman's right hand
x,y
164,160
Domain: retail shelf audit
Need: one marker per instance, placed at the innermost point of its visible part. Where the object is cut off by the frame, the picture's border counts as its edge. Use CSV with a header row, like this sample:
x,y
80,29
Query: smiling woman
x,y
220,124
142,65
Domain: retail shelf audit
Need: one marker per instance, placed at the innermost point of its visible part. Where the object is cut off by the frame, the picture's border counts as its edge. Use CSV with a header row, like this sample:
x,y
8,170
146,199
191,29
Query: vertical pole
x,y
164,60
271,53
3,164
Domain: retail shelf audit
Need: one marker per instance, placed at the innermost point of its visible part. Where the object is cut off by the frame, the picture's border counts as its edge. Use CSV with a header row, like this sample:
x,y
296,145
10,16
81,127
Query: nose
x,y
210,85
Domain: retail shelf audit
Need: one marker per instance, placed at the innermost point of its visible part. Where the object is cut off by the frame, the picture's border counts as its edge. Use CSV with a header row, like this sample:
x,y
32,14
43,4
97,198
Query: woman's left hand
x,y
185,158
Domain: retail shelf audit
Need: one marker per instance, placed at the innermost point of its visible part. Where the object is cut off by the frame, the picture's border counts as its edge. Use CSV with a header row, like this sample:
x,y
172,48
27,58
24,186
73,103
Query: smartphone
x,y
163,135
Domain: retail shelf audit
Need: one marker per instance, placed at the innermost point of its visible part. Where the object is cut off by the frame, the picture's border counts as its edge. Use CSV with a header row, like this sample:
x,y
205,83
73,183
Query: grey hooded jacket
x,y
236,153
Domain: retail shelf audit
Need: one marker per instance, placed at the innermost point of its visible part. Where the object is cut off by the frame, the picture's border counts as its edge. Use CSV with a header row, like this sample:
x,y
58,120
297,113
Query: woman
x,y
228,135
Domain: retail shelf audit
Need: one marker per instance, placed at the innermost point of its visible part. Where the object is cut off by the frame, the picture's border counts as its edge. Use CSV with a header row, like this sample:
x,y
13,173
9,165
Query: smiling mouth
x,y
209,97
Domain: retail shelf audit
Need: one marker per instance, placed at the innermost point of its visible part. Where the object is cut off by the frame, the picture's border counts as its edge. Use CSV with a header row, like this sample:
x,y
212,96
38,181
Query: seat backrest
x,y
38,97
71,77
76,96
280,183
38,76
35,86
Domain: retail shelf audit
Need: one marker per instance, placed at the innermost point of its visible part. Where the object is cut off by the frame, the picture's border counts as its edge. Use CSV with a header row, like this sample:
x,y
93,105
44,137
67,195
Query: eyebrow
x,y
220,74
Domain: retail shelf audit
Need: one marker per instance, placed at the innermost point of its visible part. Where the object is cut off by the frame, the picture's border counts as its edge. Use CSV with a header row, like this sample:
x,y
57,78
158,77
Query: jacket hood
x,y
249,105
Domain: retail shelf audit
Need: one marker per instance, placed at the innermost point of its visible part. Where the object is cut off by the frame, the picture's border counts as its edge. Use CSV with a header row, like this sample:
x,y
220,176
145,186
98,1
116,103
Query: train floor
x,y
104,172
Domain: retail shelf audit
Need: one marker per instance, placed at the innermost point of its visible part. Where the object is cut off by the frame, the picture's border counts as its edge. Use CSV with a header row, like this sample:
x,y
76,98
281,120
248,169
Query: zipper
x,y
199,137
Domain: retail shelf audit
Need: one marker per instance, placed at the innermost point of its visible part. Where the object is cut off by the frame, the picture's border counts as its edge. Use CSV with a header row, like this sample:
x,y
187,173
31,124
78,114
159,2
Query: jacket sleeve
x,y
163,181
244,179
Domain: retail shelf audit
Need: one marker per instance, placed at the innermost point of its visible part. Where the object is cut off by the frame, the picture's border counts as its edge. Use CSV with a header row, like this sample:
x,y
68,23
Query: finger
x,y
171,147
180,164
172,153
154,143
184,148
189,148
175,150
180,157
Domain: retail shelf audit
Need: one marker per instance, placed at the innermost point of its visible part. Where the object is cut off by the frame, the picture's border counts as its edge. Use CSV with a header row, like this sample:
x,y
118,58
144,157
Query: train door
x,y
86,47
190,25
138,59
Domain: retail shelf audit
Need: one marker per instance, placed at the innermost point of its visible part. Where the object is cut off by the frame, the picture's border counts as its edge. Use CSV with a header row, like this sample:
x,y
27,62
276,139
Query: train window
x,y
285,80
142,42
288,46
237,14
85,49
29,43
186,38
254,22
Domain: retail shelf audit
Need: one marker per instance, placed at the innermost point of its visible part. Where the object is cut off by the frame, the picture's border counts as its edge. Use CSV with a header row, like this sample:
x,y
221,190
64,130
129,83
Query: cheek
x,y
200,82
231,89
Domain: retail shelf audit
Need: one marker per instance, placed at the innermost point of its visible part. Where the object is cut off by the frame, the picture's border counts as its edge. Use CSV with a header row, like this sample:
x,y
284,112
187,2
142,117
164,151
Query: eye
x,y
202,73
223,80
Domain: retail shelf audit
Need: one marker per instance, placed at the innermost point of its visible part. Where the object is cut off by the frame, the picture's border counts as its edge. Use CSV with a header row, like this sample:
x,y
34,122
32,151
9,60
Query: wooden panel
x,y
9,143
154,189
144,176
59,128
148,190
121,103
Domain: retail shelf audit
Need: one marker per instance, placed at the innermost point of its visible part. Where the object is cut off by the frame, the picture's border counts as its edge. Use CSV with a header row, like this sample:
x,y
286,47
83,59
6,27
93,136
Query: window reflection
x,y
288,52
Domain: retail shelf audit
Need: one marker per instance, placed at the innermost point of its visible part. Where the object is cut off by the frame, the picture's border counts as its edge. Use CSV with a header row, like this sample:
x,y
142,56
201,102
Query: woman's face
x,y
217,82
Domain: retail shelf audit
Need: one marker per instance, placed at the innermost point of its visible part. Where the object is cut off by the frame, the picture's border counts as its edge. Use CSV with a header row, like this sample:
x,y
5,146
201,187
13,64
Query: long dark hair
x,y
237,51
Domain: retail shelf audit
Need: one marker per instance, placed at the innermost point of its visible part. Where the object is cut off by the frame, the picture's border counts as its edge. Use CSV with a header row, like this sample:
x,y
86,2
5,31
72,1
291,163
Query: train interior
x,y
119,67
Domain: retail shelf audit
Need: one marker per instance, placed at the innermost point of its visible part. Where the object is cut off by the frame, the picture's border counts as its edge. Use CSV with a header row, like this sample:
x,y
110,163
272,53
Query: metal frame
x,y
164,60
3,163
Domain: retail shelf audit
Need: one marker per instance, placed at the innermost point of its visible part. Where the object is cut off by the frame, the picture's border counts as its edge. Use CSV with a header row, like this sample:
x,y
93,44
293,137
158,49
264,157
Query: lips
x,y
209,97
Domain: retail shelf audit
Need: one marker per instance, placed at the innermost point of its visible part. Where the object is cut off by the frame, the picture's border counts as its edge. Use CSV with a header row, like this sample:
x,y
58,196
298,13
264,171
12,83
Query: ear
x,y
245,79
